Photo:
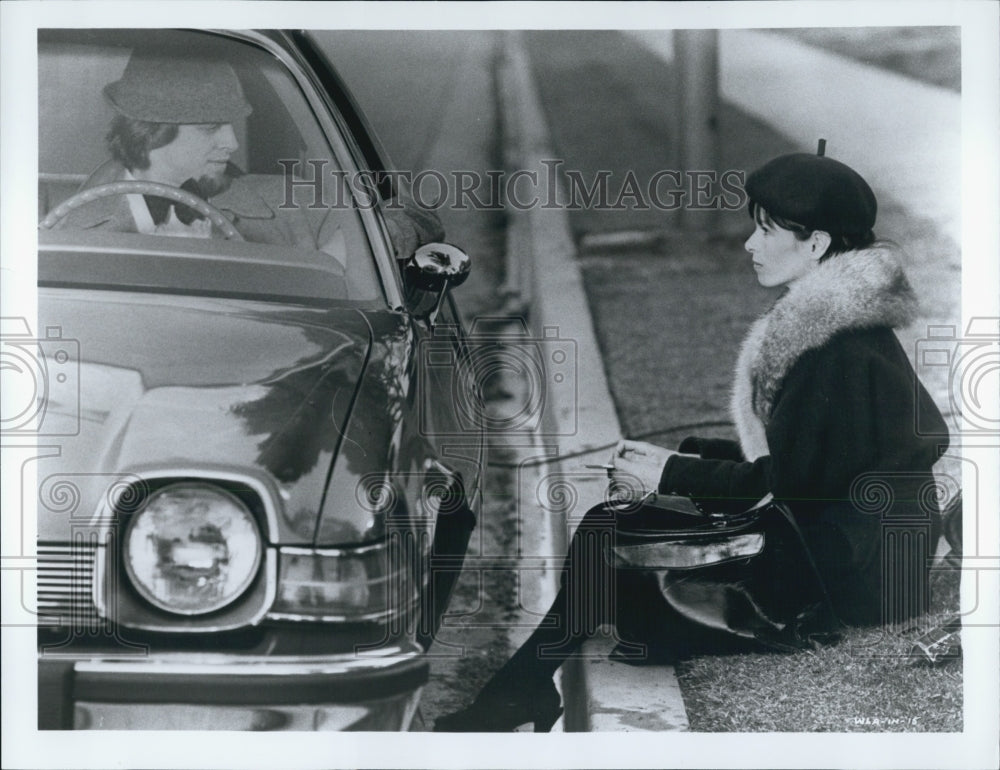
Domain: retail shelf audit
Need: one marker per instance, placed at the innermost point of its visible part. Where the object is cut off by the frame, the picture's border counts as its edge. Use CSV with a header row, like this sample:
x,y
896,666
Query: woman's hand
x,y
637,462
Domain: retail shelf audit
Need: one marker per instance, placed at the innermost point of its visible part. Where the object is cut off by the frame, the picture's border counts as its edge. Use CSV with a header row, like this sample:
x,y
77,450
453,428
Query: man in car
x,y
174,125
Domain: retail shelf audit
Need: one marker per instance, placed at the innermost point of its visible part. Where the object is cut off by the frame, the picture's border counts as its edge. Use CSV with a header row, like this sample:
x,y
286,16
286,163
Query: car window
x,y
123,106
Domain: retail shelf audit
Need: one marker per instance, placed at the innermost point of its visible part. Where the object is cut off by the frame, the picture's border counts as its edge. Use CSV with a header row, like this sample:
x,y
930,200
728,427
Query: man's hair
x,y
130,140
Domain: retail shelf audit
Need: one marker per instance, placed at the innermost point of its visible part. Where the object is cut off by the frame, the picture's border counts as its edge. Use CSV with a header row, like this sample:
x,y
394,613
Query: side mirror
x,y
437,266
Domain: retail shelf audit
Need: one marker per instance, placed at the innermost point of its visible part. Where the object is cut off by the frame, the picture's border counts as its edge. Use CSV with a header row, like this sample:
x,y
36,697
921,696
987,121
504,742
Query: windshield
x,y
123,113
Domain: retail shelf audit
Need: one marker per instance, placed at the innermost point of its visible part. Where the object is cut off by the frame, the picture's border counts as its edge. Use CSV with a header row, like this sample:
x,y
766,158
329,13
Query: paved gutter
x,y
579,425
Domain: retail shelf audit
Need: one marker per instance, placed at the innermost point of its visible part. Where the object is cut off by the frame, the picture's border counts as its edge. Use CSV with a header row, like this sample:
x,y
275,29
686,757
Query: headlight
x,y
192,549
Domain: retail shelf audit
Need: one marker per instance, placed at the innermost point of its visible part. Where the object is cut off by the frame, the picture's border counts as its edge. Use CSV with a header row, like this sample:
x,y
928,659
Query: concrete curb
x,y
581,423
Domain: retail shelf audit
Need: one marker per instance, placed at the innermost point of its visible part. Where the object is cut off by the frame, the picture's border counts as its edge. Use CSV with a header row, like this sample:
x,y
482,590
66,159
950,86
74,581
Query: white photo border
x,y
24,746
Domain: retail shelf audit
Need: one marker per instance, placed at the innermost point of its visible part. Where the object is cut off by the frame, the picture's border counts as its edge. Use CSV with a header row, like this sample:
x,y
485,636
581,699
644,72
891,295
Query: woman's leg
x,y
522,690
585,601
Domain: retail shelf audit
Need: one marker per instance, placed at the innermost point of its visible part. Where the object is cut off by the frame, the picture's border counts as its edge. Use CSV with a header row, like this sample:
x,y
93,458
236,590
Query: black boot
x,y
521,691
500,709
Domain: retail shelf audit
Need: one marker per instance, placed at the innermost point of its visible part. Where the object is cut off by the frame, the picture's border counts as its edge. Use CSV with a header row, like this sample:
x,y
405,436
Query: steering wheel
x,y
128,187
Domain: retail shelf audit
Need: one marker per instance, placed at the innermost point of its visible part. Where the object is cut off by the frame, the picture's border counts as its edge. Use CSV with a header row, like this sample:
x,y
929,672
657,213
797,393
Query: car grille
x,y
65,582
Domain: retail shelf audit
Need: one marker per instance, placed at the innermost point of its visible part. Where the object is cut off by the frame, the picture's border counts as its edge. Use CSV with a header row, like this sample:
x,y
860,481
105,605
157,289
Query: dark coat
x,y
825,384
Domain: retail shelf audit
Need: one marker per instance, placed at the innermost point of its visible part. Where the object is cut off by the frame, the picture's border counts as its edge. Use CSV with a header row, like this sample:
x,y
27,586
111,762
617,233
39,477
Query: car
x,y
265,473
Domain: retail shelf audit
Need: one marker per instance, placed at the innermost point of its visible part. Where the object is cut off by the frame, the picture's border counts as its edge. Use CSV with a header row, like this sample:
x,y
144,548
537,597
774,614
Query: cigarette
x,y
604,467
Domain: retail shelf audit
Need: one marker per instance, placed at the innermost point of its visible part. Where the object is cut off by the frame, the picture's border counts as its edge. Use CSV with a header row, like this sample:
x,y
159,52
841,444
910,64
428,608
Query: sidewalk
x,y
899,131
904,136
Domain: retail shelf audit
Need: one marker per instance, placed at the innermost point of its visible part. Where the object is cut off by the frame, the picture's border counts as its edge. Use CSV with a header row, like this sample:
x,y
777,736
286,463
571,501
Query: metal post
x,y
696,56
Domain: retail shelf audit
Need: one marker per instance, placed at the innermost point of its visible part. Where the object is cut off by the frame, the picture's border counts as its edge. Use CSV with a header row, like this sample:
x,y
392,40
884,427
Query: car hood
x,y
184,386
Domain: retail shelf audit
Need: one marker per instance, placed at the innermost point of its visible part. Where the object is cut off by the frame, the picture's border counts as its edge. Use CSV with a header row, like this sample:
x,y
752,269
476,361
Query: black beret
x,y
813,190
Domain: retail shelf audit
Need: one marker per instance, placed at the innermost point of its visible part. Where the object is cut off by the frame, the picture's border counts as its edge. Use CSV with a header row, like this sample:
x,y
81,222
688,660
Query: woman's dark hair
x,y
130,140
839,242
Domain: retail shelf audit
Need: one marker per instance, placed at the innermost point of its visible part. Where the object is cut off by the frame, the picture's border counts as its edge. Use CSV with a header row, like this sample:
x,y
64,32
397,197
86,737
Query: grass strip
x,y
868,682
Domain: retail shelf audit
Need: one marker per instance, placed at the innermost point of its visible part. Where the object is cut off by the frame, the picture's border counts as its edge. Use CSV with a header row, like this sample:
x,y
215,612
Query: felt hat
x,y
816,191
176,89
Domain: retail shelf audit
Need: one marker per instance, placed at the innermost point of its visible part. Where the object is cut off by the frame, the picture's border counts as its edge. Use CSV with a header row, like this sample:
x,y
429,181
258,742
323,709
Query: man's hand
x,y
639,462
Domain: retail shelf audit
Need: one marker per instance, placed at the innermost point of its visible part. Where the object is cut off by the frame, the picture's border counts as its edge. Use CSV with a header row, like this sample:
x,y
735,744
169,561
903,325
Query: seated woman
x,y
824,402
174,125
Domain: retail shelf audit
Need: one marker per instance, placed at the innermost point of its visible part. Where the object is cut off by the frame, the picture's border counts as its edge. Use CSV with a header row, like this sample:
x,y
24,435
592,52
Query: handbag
x,y
708,578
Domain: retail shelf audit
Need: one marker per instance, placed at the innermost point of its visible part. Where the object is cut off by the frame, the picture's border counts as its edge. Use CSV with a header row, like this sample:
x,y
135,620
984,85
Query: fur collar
x,y
854,290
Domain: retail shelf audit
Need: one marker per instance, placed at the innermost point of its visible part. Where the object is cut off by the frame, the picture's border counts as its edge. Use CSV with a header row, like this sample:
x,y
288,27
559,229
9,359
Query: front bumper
x,y
367,691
